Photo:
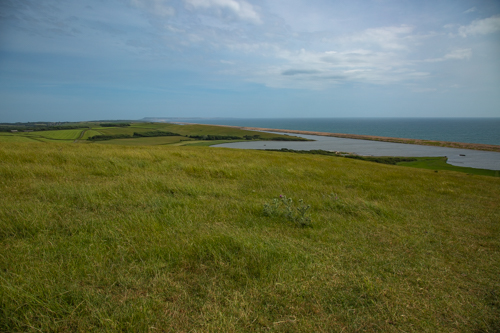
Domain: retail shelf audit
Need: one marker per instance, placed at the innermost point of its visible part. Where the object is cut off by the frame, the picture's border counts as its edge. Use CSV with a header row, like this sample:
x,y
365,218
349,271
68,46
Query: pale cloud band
x,y
239,38
460,54
377,55
242,9
481,27
156,7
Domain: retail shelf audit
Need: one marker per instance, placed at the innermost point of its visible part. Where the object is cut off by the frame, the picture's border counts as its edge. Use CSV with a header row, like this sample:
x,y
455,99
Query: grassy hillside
x,y
96,129
162,140
113,238
8,137
89,133
439,163
59,135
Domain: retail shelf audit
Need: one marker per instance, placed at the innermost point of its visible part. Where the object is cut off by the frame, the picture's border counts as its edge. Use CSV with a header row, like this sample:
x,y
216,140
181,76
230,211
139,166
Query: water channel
x,y
459,157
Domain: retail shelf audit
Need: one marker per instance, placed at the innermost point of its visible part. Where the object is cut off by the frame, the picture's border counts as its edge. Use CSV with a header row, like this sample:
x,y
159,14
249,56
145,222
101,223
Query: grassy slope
x,y
429,163
7,137
152,141
439,163
97,237
91,132
70,135
59,134
209,143
120,130
214,130
43,136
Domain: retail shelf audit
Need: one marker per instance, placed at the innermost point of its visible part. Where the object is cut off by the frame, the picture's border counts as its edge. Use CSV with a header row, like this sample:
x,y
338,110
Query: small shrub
x,y
284,207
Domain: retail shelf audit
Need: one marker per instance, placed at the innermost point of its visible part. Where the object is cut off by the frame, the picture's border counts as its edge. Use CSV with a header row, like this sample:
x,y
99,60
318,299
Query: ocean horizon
x,y
467,130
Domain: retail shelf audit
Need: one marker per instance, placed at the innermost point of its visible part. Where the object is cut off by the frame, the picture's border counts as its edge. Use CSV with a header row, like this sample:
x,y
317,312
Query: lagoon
x,y
458,157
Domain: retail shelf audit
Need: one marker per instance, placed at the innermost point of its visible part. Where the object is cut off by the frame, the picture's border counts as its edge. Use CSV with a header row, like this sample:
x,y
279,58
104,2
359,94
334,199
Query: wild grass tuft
x,y
284,207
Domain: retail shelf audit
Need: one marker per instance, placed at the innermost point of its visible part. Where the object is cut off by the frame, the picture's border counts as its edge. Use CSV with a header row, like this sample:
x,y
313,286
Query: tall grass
x,y
110,238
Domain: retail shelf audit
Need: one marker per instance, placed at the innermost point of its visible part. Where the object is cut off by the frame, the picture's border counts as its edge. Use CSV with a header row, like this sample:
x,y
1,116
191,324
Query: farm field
x,y
120,130
191,129
213,130
161,140
42,136
95,130
184,130
204,143
100,237
58,135
4,137
89,133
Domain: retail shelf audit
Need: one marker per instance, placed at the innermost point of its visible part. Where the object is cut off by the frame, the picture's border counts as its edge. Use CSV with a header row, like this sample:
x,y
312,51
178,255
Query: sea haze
x,y
468,130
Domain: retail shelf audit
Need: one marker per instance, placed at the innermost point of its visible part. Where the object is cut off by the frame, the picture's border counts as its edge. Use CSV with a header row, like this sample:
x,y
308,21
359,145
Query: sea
x,y
468,130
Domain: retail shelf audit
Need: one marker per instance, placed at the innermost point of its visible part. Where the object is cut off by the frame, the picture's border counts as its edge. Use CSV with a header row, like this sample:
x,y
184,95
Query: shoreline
x,y
421,142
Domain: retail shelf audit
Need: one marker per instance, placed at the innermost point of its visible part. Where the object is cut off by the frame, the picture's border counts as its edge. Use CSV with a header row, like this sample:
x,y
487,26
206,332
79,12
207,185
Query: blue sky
x,y
68,60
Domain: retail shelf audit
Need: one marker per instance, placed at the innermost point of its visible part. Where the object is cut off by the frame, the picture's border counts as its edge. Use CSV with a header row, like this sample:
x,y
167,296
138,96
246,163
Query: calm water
x,y
470,130
459,157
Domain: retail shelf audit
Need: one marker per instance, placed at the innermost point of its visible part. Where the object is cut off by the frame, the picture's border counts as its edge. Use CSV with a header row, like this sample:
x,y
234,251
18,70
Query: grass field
x,y
89,133
4,137
42,136
180,129
175,239
214,130
58,135
208,143
152,141
439,163
119,130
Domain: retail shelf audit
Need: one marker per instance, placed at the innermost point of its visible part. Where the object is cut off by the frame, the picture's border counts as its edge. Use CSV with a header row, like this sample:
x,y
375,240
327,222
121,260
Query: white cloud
x,y
385,37
319,70
424,90
470,10
240,8
481,27
459,54
158,7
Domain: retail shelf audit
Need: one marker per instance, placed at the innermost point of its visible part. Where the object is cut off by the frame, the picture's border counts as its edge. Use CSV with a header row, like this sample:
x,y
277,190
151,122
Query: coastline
x,y
433,143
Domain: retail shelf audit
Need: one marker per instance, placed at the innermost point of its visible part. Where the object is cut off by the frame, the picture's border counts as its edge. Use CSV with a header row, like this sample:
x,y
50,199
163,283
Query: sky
x,y
73,60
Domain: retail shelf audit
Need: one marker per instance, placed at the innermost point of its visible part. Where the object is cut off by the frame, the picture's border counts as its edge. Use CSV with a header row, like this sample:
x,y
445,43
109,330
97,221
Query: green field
x,y
120,130
72,134
439,163
89,133
42,136
104,238
4,137
208,143
95,130
160,140
214,130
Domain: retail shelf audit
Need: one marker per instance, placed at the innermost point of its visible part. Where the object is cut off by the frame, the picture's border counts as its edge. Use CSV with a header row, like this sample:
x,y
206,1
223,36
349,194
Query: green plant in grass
x,y
285,208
